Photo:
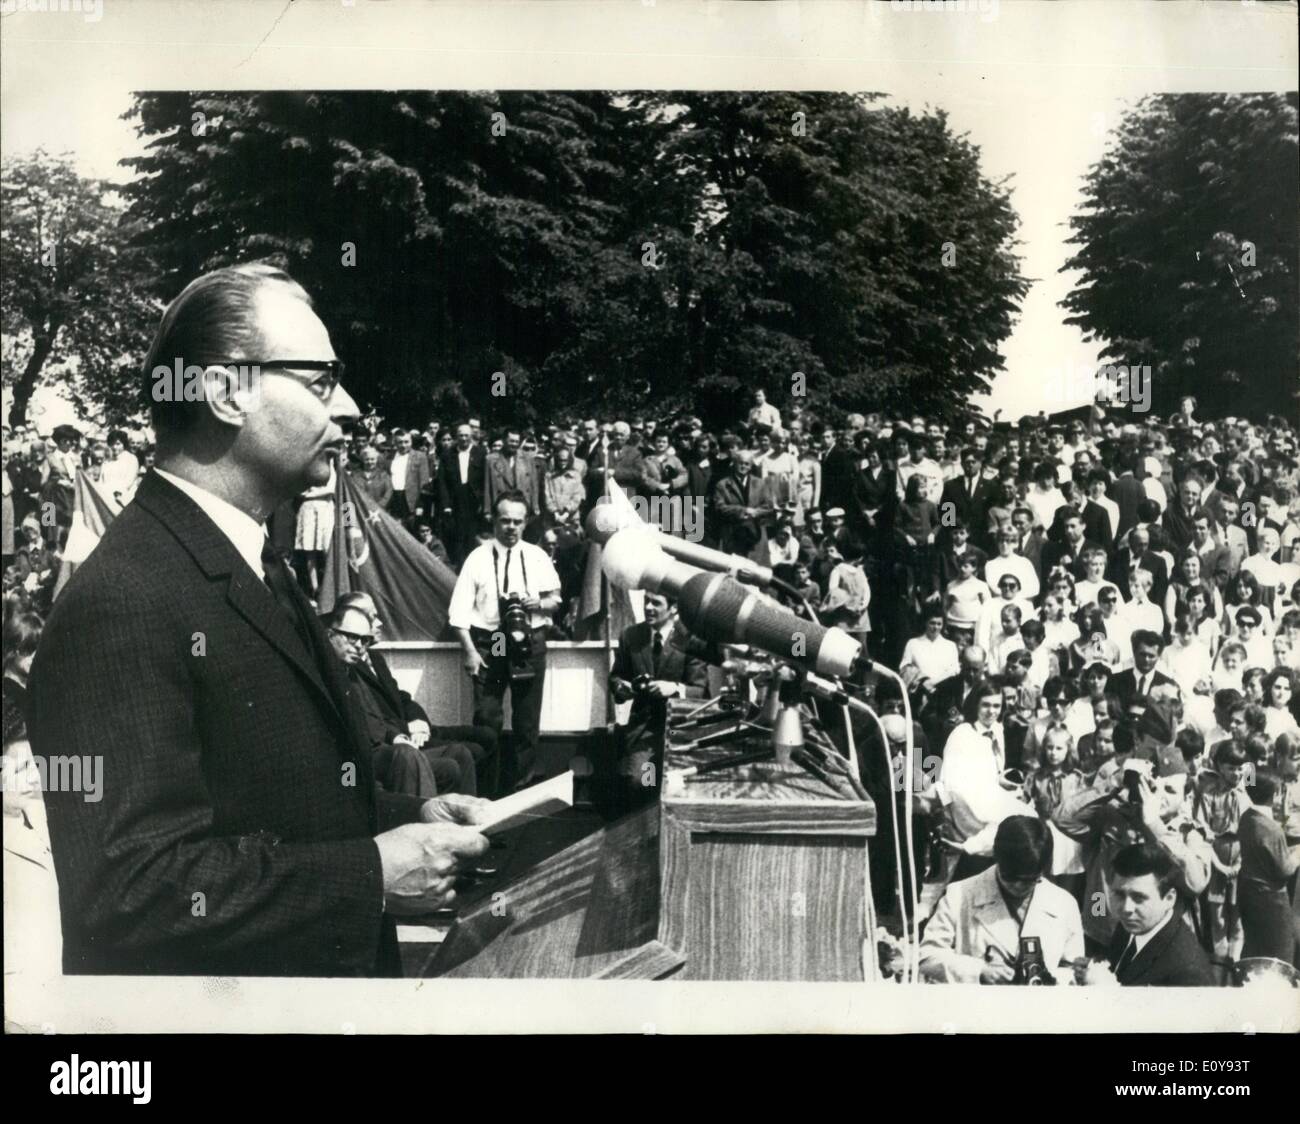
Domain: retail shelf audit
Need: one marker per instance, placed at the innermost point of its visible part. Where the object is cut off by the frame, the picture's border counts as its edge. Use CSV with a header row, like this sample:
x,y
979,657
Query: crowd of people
x,y
1096,619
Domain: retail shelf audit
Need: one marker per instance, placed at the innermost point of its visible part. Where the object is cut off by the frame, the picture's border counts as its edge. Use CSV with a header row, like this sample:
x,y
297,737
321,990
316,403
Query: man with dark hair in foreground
x,y
239,830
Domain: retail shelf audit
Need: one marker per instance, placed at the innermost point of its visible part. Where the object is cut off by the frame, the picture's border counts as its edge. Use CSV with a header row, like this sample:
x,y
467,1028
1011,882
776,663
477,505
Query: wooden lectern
x,y
758,872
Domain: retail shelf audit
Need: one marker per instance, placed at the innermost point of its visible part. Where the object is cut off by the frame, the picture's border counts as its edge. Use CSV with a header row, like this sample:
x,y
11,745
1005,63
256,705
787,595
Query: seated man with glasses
x,y
401,765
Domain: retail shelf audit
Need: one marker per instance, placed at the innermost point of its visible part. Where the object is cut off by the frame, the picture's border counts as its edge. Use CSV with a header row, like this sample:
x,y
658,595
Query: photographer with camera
x,y
500,610
1008,924
1148,808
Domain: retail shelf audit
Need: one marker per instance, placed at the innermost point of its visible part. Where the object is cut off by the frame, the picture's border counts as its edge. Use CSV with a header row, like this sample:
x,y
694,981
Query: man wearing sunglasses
x,y
238,830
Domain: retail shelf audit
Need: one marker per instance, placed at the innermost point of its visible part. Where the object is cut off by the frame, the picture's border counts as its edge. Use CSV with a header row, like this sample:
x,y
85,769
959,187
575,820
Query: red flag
x,y
93,510
373,553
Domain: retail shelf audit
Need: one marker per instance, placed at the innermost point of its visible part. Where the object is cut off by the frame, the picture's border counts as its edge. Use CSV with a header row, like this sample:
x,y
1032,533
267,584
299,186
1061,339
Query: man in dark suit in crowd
x,y
944,711
460,484
1096,523
652,665
1134,685
1127,492
742,507
968,493
589,449
411,479
512,471
1152,947
239,831
837,472
404,760
627,466
1179,519
1069,551
1138,553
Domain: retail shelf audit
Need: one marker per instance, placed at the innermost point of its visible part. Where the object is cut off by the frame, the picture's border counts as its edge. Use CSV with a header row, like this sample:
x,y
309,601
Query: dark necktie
x,y
658,650
505,581
278,581
1126,957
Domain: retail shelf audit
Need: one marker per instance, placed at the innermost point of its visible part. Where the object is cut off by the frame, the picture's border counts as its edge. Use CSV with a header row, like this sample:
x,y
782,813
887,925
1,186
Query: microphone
x,y
716,607
606,519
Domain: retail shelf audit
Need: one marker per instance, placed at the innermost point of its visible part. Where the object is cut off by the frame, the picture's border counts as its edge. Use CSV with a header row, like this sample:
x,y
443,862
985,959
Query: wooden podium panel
x,y
591,911
763,870
755,873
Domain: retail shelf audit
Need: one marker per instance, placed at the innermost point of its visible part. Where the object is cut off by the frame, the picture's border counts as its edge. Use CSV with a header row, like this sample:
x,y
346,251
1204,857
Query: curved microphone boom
x,y
606,519
717,607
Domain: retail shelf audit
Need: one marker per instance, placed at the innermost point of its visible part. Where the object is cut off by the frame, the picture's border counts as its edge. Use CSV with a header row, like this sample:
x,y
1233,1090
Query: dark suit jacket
x,y
502,476
388,709
872,493
1151,562
1096,525
839,466
635,656
972,511
1267,917
1124,685
1172,958
419,479
943,711
1177,525
234,766
1055,553
736,533
465,500
1127,492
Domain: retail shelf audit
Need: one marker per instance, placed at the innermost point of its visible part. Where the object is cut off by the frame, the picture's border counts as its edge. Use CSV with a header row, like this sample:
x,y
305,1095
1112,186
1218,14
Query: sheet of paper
x,y
540,800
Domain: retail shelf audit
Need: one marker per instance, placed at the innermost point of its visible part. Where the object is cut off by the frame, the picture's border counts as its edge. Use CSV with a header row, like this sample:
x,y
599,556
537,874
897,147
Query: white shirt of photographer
x,y
474,600
972,918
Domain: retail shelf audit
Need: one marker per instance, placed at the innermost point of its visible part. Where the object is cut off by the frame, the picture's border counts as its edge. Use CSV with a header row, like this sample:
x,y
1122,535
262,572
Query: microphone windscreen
x,y
605,519
720,609
626,556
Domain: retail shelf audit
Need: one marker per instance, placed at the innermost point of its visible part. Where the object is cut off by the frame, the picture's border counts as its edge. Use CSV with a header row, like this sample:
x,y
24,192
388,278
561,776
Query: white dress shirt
x,y
969,780
397,470
935,659
474,600
246,535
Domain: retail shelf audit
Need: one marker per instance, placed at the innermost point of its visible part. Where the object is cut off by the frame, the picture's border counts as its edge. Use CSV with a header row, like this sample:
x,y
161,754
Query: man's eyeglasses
x,y
320,376
353,637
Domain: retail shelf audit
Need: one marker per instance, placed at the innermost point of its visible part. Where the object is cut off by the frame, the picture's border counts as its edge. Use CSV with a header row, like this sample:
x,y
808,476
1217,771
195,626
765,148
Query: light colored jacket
x,y
972,918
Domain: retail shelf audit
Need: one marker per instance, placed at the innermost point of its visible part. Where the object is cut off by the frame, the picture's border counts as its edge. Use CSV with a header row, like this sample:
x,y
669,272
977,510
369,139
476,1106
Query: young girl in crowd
x,y
1054,780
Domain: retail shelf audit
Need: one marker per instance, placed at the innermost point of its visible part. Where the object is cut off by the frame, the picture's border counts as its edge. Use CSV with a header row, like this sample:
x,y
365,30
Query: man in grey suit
x,y
239,831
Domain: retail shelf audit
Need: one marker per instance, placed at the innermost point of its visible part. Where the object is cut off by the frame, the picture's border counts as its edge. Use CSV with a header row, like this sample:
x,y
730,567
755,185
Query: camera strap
x,y
523,568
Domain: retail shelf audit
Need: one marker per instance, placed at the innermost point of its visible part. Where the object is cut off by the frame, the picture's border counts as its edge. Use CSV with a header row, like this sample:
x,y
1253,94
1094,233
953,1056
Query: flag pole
x,y
607,601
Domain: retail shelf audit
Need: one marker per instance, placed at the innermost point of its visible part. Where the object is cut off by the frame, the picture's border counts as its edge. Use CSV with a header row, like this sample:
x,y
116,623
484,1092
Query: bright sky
x,y
1036,86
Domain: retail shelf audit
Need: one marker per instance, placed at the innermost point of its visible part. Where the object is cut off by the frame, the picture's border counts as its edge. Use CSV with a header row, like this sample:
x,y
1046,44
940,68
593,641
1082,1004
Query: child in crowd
x,y
1043,663
968,595
1220,799
1051,783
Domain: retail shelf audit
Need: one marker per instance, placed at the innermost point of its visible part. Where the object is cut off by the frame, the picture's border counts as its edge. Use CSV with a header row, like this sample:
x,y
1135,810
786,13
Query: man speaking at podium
x,y
239,830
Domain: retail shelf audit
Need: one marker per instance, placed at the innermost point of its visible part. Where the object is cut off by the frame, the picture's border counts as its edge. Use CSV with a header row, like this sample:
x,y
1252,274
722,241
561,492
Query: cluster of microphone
x,y
712,603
